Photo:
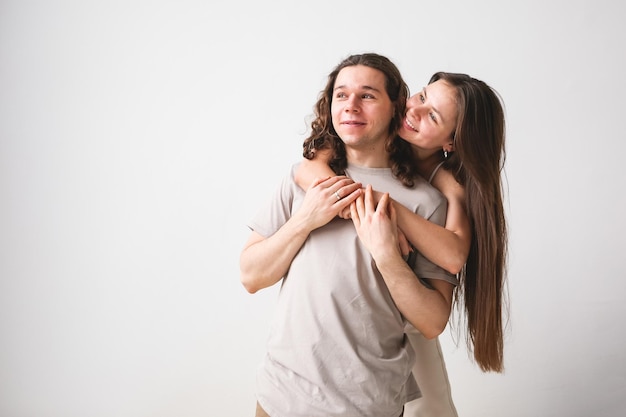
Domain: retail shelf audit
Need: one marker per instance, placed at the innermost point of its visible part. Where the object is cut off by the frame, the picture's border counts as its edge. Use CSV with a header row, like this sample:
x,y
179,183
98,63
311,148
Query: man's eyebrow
x,y
363,87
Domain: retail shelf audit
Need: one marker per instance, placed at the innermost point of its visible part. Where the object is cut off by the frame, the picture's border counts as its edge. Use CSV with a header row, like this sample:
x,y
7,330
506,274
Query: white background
x,y
138,137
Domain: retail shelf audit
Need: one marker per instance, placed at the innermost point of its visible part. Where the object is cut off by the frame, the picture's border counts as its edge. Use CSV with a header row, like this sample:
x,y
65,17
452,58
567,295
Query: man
x,y
337,345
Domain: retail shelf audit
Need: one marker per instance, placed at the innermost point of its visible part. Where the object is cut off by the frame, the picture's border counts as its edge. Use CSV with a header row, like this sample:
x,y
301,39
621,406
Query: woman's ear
x,y
448,147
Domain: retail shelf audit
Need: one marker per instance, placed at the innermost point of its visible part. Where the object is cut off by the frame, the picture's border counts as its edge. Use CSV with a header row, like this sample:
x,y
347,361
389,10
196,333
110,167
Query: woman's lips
x,y
409,125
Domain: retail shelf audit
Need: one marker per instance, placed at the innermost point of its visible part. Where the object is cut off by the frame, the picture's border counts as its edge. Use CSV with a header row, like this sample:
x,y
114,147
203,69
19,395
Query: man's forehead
x,y
360,77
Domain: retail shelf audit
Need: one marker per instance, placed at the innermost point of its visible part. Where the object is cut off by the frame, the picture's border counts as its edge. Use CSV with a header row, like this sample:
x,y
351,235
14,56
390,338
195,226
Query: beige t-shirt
x,y
337,345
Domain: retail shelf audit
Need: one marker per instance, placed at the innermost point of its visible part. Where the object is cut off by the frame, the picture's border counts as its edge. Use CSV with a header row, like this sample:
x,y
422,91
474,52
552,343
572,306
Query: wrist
x,y
387,258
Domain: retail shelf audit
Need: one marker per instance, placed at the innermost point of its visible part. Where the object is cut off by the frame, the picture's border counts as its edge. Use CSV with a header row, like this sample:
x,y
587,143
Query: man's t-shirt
x,y
337,345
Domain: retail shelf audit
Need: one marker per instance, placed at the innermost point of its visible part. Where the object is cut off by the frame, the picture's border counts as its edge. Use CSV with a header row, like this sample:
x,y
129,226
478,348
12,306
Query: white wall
x,y
136,138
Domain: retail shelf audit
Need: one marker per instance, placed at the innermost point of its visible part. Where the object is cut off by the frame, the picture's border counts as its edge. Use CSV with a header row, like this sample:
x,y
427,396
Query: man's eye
x,y
368,96
422,99
340,95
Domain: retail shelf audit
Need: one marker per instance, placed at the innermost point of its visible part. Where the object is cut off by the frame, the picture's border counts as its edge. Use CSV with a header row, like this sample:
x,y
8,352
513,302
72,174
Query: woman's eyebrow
x,y
433,107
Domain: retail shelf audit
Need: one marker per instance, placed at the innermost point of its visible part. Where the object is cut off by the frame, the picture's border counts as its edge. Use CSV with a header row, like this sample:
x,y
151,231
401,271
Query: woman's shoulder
x,y
444,181
435,171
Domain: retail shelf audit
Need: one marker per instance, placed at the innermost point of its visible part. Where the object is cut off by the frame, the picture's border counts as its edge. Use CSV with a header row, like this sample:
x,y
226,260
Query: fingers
x,y
392,211
318,181
345,196
405,247
346,188
337,189
370,205
328,182
354,215
357,210
345,213
364,204
383,203
360,204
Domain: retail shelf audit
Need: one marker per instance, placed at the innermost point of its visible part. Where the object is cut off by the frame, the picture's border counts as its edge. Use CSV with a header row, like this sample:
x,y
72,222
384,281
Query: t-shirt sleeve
x,y
277,209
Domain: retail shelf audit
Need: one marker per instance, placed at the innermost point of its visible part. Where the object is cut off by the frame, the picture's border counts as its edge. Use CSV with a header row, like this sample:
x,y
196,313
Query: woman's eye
x,y
340,95
422,99
433,117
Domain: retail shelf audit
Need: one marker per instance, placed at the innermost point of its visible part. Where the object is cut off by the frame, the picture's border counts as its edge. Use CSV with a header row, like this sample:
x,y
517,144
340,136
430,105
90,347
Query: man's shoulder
x,y
428,189
422,191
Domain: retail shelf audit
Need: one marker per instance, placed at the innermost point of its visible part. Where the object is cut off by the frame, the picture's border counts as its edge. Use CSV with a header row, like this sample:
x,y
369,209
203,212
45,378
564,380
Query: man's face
x,y
361,109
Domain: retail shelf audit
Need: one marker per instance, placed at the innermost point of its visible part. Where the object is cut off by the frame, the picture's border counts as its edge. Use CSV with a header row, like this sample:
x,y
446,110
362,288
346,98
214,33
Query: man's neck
x,y
368,158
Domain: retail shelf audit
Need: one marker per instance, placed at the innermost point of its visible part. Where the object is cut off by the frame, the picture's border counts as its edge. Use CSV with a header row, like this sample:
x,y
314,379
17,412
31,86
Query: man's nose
x,y
352,103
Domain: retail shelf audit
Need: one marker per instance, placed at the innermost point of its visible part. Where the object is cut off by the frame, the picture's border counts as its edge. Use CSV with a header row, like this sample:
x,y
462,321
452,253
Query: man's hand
x,y
376,225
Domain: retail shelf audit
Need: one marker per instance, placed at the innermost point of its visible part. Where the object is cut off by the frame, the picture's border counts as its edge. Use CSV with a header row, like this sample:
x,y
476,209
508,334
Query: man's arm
x,y
264,261
428,310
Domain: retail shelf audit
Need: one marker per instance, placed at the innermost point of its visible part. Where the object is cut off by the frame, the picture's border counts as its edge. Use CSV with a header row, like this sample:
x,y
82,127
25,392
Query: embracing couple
x,y
394,215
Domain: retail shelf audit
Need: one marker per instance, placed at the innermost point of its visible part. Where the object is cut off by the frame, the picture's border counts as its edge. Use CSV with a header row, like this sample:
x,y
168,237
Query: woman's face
x,y
431,117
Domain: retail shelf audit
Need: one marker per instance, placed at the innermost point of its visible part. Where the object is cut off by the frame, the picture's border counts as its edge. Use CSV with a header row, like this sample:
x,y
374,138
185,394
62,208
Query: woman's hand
x,y
326,198
403,243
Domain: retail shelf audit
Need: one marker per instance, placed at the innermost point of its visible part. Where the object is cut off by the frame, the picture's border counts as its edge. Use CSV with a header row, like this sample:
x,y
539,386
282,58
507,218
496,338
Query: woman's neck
x,y
426,164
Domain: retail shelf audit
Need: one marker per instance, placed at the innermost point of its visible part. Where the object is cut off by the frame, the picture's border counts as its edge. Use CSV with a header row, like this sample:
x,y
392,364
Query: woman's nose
x,y
415,107
414,112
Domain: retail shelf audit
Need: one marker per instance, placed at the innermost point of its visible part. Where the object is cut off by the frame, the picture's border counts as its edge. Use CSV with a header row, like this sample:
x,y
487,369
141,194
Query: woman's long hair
x,y
477,163
324,136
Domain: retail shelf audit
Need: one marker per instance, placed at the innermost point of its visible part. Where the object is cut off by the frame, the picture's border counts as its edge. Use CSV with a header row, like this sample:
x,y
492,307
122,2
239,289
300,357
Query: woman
x,y
456,122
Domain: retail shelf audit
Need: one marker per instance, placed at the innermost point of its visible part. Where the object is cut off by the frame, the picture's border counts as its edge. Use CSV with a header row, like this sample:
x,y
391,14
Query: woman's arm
x,y
428,310
311,169
447,247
